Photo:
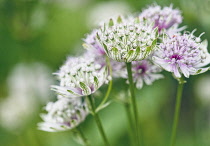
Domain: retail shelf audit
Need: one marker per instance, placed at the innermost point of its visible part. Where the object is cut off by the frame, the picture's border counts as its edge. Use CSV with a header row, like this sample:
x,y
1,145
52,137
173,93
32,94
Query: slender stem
x,y
130,122
133,101
176,114
82,136
98,121
109,87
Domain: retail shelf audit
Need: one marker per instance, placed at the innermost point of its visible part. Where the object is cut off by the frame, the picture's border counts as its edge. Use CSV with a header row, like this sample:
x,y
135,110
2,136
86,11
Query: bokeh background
x,y
36,36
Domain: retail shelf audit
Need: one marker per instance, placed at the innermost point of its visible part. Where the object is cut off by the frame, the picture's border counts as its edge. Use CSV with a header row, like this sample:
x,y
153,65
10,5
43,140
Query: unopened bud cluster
x,y
127,40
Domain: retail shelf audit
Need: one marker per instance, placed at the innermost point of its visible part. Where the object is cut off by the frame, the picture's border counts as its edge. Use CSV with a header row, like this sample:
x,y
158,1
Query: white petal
x,y
184,69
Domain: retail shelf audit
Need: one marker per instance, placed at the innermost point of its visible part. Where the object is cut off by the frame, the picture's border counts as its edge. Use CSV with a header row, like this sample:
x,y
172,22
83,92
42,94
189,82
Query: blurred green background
x,y
36,36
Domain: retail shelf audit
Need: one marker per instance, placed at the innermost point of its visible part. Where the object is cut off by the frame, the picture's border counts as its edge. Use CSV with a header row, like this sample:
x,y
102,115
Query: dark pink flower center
x,y
176,57
142,67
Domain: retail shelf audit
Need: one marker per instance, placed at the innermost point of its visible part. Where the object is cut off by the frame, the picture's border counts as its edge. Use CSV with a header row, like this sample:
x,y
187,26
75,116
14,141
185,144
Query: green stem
x,y
98,121
82,136
109,87
130,122
176,114
133,101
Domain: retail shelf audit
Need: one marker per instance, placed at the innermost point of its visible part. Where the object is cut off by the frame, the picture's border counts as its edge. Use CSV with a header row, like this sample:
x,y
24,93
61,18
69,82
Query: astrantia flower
x,y
143,72
163,18
63,114
80,76
92,44
183,54
127,40
95,49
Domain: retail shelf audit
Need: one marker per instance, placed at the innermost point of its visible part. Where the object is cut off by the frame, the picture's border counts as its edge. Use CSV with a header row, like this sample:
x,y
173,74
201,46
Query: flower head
x,y
163,18
127,40
63,114
143,71
183,54
95,49
80,76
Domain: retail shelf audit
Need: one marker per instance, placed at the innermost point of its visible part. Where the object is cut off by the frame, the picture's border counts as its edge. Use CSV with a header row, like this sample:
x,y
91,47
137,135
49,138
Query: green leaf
x,y
119,19
156,32
96,82
137,53
103,106
154,43
105,48
130,55
85,88
137,20
111,23
116,54
198,71
97,36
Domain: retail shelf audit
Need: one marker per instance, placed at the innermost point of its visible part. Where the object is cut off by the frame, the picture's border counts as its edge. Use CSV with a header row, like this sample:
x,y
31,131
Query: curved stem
x,y
82,136
109,87
176,115
133,100
98,121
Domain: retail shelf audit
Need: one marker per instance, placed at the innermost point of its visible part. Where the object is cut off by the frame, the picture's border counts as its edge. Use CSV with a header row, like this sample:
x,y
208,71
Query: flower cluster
x,y
127,40
182,54
80,76
147,44
63,114
164,18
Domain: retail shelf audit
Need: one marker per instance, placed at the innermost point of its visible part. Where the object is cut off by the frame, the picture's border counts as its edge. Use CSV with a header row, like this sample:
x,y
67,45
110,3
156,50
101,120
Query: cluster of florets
x,y
182,54
63,114
151,42
127,40
164,18
80,76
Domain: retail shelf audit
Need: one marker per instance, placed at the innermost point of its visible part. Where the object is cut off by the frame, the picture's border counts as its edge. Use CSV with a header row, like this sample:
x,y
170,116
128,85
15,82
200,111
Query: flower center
x,y
141,69
176,57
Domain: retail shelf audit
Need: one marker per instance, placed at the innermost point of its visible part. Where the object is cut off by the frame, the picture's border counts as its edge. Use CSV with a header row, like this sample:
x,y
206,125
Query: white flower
x,y
64,114
143,71
183,54
127,40
80,76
